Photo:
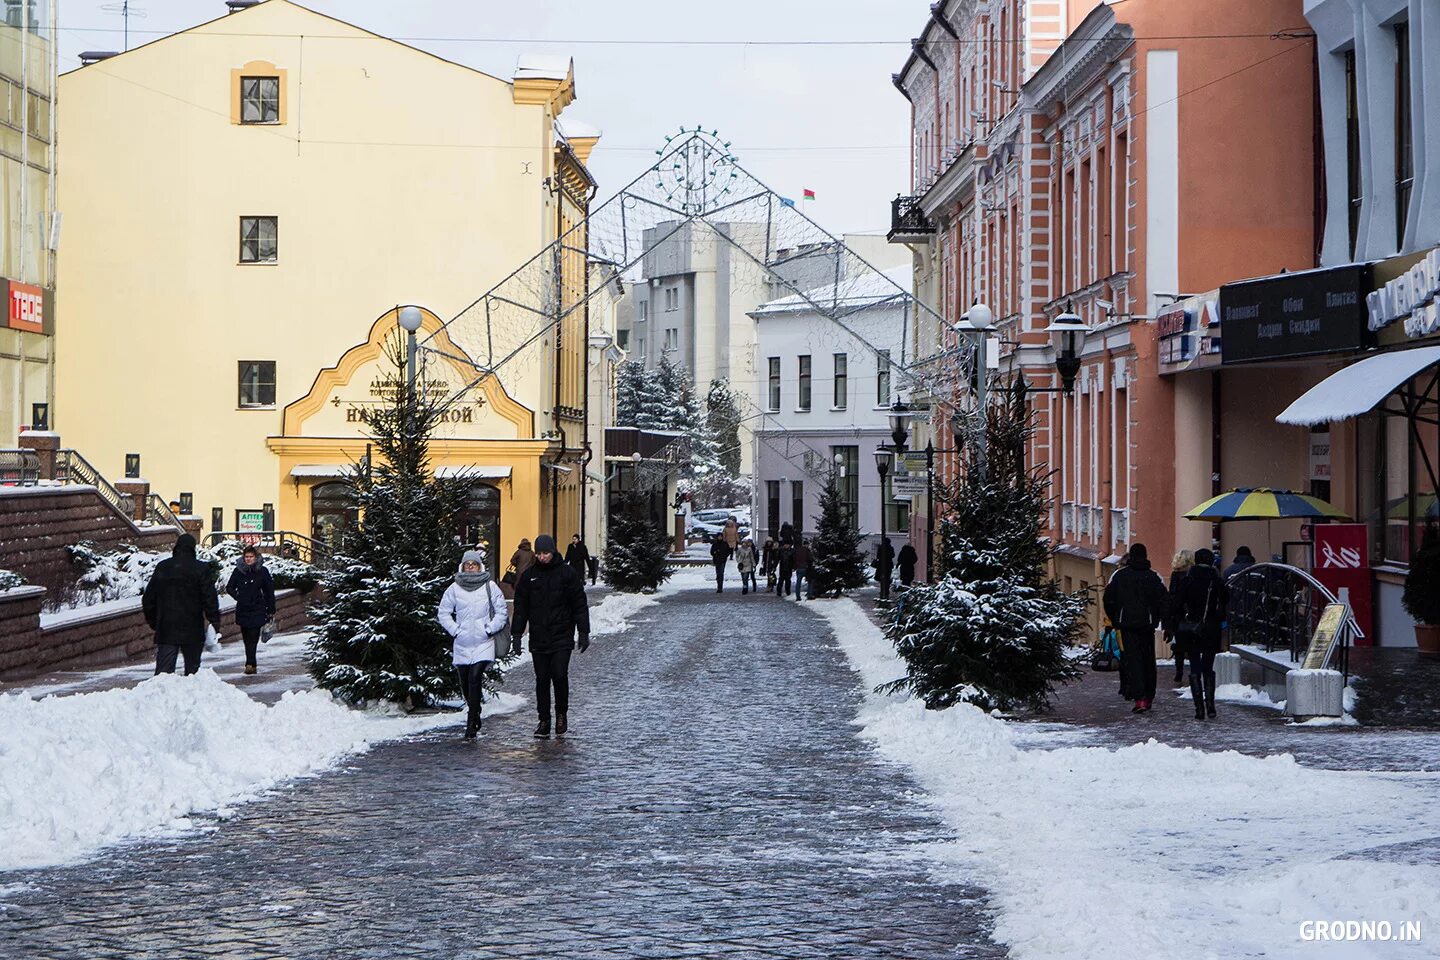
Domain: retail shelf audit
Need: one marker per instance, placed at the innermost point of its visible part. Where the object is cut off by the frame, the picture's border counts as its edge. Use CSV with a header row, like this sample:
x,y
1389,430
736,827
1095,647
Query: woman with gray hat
x,y
473,612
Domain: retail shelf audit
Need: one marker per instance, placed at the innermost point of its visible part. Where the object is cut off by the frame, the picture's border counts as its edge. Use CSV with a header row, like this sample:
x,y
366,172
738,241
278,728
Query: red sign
x,y
27,307
1342,562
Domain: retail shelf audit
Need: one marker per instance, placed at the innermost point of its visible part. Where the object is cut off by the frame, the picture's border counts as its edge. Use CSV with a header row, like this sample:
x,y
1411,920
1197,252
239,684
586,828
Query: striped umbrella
x,y
1262,503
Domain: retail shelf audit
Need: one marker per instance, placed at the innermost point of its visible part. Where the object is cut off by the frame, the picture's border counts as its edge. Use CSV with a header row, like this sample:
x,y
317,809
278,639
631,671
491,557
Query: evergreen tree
x,y
839,564
376,636
631,382
995,630
637,550
723,416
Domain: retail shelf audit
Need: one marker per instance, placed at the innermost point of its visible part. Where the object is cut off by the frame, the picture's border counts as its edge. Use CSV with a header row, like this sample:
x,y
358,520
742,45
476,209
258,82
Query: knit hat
x,y
472,556
1138,552
544,543
1204,558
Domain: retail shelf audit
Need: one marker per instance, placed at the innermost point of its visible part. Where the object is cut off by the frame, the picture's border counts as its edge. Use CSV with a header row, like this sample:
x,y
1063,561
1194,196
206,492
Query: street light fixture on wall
x,y
1067,336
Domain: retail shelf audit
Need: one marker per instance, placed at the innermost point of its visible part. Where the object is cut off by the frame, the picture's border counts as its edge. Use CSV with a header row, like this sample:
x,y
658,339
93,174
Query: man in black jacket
x,y
1136,603
178,600
550,601
578,557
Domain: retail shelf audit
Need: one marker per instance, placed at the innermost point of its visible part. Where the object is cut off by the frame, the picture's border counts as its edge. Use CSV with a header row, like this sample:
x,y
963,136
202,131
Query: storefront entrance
x,y
480,523
332,512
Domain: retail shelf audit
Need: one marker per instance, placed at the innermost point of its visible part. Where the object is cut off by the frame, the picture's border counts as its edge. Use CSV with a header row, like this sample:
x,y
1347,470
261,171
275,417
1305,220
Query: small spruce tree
x,y
839,564
637,550
722,414
376,636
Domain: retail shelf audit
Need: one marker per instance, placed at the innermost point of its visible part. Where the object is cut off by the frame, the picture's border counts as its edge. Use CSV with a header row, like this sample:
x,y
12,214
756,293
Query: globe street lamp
x,y
410,321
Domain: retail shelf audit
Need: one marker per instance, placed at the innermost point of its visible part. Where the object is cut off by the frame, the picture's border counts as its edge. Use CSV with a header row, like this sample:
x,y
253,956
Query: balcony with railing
x,y
908,223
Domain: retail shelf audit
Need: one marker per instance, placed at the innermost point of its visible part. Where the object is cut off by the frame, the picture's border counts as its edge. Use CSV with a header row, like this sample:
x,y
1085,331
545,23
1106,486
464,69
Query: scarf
x,y
472,581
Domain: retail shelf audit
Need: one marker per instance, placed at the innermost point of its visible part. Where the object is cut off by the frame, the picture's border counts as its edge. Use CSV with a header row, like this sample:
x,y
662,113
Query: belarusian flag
x,y
809,194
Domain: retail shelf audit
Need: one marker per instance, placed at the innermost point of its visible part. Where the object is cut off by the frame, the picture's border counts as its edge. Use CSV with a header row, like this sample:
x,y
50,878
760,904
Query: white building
x,y
1380,113
825,389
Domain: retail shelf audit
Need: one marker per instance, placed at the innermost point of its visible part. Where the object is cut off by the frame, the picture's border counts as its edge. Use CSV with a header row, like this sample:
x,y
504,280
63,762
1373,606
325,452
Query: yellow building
x,y
244,199
28,230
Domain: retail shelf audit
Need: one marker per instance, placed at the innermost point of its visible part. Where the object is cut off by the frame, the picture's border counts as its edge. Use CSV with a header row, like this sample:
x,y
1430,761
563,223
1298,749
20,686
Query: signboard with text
x,y
1327,631
25,306
1295,314
1342,562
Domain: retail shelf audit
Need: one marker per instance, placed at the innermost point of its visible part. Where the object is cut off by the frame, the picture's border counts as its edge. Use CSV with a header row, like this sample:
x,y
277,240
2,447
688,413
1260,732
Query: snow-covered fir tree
x,y
376,636
995,629
664,398
636,550
722,414
839,564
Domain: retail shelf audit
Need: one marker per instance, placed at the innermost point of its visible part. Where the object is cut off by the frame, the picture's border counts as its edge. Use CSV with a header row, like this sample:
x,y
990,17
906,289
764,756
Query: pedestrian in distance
x,y
884,565
769,559
578,557
1136,602
1197,609
1243,560
788,535
1179,566
253,590
550,603
746,562
784,569
178,601
730,533
804,559
907,560
719,553
473,612
522,558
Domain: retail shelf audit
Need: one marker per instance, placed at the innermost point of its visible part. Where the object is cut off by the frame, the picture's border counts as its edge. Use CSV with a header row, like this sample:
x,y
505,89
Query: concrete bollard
x,y
1227,668
1314,693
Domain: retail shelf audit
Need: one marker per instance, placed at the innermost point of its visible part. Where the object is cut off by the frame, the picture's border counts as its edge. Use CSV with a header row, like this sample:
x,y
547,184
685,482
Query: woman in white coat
x,y
473,612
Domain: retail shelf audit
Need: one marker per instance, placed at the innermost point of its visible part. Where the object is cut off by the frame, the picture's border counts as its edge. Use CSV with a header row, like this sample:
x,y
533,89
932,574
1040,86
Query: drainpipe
x,y
1216,447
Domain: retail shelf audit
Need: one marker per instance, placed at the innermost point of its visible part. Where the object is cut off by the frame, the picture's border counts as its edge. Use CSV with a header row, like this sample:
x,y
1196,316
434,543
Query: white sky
x,y
824,117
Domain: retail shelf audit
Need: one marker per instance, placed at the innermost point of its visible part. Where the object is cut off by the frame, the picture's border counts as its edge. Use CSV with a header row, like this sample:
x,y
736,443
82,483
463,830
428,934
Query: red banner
x,y
27,307
1342,562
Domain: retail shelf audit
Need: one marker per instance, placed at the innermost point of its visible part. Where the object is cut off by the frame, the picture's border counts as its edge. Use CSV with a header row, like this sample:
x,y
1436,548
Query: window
x,y
797,505
842,380
772,507
803,402
259,99
257,383
258,239
622,339
882,378
847,463
672,298
897,512
1404,134
672,339
774,365
1352,146
644,310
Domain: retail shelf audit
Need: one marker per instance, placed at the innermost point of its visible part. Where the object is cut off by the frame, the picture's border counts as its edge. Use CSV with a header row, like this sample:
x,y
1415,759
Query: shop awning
x,y
317,471
479,473
1359,388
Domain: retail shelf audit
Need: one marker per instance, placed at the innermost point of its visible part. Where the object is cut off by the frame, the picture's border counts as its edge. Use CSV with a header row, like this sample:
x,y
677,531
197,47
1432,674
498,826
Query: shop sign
x,y
250,522
1414,297
1342,563
903,486
1320,455
1323,640
26,309
1295,315
1176,328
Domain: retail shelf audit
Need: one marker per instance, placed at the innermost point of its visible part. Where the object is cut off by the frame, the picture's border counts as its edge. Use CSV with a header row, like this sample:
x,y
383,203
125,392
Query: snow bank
x,y
82,771
612,615
1093,852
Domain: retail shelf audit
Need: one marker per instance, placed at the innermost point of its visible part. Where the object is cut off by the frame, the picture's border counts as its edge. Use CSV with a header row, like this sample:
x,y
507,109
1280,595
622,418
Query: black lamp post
x,y
882,466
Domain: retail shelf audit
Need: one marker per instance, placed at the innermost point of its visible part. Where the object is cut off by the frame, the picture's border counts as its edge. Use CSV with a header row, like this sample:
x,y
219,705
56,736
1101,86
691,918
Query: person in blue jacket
x,y
253,590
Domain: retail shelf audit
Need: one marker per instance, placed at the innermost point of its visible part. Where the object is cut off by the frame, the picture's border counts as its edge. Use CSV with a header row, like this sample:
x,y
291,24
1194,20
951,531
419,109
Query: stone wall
x,y
114,633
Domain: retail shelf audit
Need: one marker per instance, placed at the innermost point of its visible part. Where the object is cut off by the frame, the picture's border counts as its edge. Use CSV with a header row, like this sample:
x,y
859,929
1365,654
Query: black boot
x,y
1197,693
472,723
542,732
561,724
1210,694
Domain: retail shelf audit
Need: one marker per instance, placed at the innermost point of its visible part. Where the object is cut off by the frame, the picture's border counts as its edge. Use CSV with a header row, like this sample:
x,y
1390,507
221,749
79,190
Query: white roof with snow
x,y
1359,388
577,129
873,288
534,66
479,473
303,471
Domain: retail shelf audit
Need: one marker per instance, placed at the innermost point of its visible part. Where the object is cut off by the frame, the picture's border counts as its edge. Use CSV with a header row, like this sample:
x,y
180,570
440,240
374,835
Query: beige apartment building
x,y
248,203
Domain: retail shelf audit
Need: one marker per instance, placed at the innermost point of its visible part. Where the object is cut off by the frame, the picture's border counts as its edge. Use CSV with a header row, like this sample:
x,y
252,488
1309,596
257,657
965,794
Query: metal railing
x,y
70,467
907,219
280,543
1277,606
19,468
157,511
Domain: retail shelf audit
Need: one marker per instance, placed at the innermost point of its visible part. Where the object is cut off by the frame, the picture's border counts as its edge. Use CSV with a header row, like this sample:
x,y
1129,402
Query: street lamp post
x,y
410,320
882,466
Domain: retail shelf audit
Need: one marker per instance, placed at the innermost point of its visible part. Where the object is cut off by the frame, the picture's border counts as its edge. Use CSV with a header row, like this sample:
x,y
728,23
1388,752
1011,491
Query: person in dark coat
x,y
578,557
178,601
1136,602
550,602
788,535
784,569
804,560
769,559
1180,565
1197,609
1243,558
719,553
253,591
884,565
907,560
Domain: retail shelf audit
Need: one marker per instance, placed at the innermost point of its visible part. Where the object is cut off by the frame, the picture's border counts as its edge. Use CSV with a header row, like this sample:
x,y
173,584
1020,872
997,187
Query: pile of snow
x,y
83,771
1149,850
10,580
612,615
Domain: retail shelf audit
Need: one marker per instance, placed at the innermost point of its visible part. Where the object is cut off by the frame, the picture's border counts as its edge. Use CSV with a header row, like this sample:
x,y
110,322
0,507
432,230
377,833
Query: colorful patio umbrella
x,y
1262,503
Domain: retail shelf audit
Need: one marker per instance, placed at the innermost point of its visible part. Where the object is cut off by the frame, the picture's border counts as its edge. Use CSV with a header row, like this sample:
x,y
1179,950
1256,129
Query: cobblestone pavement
x,y
713,801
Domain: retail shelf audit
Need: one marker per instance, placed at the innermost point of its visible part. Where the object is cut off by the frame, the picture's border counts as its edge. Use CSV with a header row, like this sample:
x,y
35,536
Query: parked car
x,y
711,522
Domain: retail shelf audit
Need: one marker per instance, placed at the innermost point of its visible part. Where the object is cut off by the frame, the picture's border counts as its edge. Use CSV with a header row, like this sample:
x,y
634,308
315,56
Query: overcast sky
x,y
824,117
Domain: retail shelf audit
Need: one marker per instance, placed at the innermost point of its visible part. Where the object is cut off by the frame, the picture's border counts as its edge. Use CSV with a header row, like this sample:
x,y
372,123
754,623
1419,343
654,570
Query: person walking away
x,y
550,603
473,612
178,601
253,590
1136,602
1197,608
784,569
788,535
804,559
769,557
730,533
745,562
1180,564
522,558
884,564
719,553
578,557
1243,559
907,560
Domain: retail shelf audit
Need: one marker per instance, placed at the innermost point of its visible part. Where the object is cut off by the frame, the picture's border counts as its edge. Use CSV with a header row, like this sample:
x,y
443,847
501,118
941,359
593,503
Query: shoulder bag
x,y
503,640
